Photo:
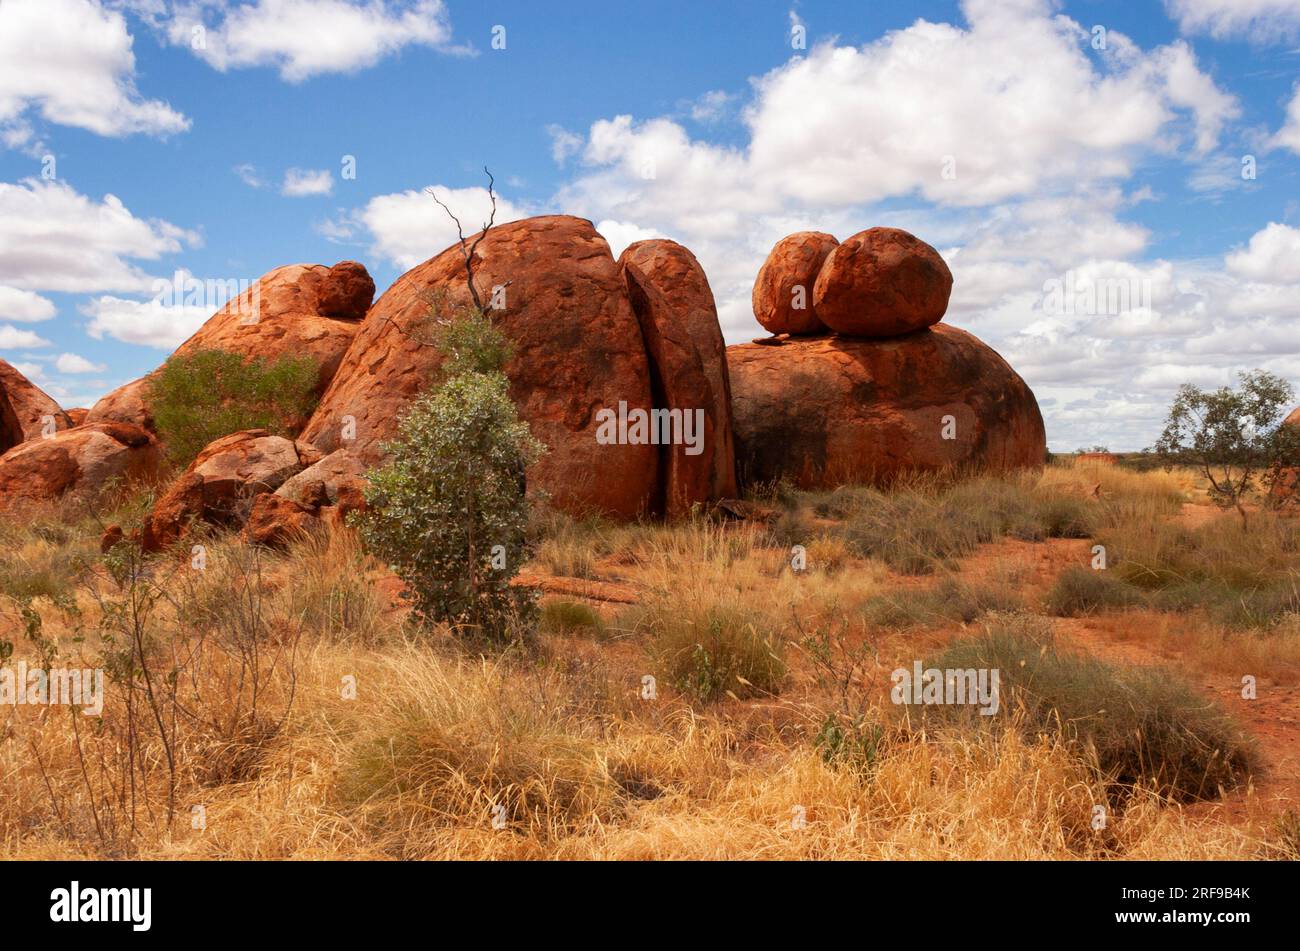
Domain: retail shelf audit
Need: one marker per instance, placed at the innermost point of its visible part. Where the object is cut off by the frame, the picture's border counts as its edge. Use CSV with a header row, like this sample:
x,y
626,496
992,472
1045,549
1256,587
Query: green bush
x,y
449,512
1142,724
1079,590
212,393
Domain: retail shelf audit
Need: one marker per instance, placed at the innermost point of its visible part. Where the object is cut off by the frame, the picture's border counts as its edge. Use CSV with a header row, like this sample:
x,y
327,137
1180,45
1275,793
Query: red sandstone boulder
x,y
297,310
221,482
26,411
830,410
783,291
276,521
77,415
881,283
671,298
338,479
82,459
578,349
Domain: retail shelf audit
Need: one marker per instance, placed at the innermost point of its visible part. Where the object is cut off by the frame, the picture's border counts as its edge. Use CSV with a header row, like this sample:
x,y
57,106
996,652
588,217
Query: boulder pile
x,y
618,367
589,334
861,382
296,310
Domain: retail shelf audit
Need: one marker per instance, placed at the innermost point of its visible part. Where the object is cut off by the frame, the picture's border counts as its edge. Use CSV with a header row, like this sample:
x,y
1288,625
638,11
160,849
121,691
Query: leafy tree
x,y
448,511
1233,437
212,393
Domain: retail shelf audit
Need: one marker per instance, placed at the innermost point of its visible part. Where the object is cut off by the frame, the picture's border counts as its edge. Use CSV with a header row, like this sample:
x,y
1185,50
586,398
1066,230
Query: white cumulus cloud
x,y
71,63
53,238
305,38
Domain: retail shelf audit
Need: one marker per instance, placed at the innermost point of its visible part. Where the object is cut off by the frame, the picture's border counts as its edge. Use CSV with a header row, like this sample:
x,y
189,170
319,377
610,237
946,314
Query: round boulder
x,y
882,282
784,290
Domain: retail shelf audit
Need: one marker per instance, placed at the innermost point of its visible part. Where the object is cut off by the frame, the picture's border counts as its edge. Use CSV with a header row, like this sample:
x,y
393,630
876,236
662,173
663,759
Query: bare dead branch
x,y
467,250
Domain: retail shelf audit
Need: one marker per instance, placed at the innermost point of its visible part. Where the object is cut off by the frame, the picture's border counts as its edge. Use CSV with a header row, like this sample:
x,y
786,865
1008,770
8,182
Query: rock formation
x,y
824,411
85,458
892,391
880,283
556,292
26,411
219,485
688,364
783,292
297,310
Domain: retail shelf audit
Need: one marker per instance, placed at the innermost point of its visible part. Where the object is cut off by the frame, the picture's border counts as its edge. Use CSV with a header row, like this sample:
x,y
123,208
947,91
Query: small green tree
x,y
209,394
448,512
1233,437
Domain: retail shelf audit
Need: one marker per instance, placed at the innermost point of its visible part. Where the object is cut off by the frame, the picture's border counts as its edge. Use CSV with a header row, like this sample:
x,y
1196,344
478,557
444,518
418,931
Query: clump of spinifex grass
x,y
1080,590
1144,726
950,600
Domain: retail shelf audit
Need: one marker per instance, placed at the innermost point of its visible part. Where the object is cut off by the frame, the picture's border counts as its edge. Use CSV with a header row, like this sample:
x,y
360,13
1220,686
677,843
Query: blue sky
x,y
1036,144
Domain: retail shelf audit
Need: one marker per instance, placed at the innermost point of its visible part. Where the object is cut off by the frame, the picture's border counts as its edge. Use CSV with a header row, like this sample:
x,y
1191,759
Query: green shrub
x,y
1079,590
1142,724
212,393
570,617
449,513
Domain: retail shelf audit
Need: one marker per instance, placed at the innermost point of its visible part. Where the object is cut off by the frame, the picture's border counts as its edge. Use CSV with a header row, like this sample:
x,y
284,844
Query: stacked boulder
x,y
861,381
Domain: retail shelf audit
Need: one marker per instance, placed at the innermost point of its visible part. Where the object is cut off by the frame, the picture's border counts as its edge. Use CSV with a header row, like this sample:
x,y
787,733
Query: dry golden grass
x,y
554,740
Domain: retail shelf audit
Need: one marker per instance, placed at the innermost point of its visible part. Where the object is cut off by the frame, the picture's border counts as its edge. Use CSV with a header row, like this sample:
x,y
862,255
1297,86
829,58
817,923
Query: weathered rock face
x,y
26,411
880,283
222,481
126,404
338,479
578,349
830,410
672,301
298,310
82,459
791,269
276,521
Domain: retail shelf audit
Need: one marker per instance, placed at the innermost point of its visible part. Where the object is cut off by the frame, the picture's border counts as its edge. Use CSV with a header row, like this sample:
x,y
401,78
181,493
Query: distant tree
x,y
1090,449
1233,437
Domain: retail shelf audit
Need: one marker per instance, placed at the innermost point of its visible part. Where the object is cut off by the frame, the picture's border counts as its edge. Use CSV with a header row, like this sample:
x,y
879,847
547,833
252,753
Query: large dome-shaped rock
x,y
578,350
26,411
82,459
219,485
880,283
825,411
671,298
783,290
300,310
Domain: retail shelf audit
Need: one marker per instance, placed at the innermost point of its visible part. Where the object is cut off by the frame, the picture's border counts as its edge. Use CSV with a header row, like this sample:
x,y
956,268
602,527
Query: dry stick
x,y
81,761
54,800
468,252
